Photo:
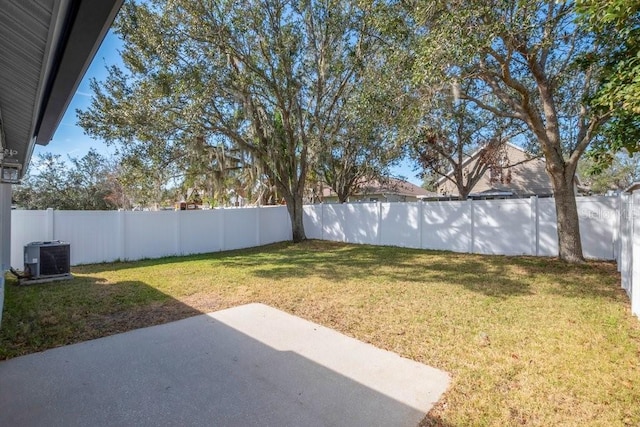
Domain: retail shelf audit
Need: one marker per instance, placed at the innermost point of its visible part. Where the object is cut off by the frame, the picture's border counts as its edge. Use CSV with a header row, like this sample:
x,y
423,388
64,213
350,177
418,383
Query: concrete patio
x,y
248,365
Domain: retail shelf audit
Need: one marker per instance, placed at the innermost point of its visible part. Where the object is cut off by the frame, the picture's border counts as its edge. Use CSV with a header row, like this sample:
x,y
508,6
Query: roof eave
x,y
87,23
633,187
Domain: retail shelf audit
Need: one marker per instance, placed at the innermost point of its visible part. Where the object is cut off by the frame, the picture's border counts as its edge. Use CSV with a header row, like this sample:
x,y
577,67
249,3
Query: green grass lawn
x,y
528,341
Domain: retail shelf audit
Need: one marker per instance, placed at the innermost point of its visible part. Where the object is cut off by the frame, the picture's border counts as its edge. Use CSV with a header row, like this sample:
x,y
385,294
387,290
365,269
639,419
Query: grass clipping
x,y
528,341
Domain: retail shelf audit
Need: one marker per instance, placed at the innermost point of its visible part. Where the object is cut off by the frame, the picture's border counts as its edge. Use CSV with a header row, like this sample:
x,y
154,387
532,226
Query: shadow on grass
x,y
374,264
205,371
434,421
592,280
42,316
490,275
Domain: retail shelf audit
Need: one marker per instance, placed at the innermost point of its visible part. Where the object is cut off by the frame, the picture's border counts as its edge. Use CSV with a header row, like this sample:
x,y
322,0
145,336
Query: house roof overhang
x,y
46,47
633,187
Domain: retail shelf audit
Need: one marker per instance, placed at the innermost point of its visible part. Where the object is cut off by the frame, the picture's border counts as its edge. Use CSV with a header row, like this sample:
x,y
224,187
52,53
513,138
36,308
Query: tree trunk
x,y
569,244
294,207
463,192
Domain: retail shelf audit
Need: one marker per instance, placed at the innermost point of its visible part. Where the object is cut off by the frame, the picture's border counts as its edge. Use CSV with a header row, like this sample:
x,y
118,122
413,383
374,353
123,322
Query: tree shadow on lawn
x,y
309,252
43,316
592,280
376,264
434,421
339,262
491,275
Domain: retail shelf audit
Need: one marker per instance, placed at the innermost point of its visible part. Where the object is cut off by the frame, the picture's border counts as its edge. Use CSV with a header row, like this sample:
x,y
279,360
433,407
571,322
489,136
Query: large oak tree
x,y
519,60
265,76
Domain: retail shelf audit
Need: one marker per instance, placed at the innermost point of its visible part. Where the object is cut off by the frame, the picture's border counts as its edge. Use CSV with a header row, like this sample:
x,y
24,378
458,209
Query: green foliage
x,y
616,24
449,132
616,28
517,60
363,145
620,172
81,184
270,78
363,149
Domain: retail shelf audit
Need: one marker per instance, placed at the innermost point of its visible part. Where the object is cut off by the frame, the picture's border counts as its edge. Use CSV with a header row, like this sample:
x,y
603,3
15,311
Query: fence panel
x,y
361,223
275,225
502,227
90,234
446,226
199,231
598,221
547,228
240,228
312,219
26,227
150,234
400,225
333,222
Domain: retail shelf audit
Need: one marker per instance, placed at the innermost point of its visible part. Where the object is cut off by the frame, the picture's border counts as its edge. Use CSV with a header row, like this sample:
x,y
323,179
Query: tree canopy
x,y
85,183
622,171
615,25
271,77
319,89
518,61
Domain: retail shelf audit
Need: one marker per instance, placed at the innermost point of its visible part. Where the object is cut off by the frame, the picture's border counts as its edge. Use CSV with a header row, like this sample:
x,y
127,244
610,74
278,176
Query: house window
x,y
373,199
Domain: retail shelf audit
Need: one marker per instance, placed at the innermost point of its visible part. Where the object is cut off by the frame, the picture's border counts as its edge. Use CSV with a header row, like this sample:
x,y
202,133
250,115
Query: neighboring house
x,y
395,190
523,175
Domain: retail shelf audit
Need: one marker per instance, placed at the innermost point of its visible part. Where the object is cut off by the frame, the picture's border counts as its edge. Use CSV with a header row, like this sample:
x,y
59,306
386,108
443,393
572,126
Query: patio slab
x,y
244,366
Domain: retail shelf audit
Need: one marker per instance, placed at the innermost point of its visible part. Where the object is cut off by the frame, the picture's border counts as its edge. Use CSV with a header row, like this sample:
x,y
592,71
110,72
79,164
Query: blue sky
x,y
70,140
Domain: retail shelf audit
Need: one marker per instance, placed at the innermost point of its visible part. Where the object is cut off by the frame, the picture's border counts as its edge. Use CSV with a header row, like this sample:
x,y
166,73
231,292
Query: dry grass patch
x,y
528,341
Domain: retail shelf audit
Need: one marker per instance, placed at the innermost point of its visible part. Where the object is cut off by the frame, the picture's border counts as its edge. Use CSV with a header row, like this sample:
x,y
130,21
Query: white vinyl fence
x,y
610,230
102,236
628,251
502,227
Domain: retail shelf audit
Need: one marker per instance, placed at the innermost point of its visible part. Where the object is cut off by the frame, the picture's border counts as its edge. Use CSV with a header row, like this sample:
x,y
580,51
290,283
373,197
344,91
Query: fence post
x,y
221,228
122,235
624,264
49,224
471,226
176,222
379,222
258,225
616,231
623,221
420,219
635,253
322,221
535,226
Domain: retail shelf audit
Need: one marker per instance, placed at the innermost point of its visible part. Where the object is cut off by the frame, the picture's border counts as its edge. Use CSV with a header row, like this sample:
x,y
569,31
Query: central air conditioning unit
x,y
47,260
